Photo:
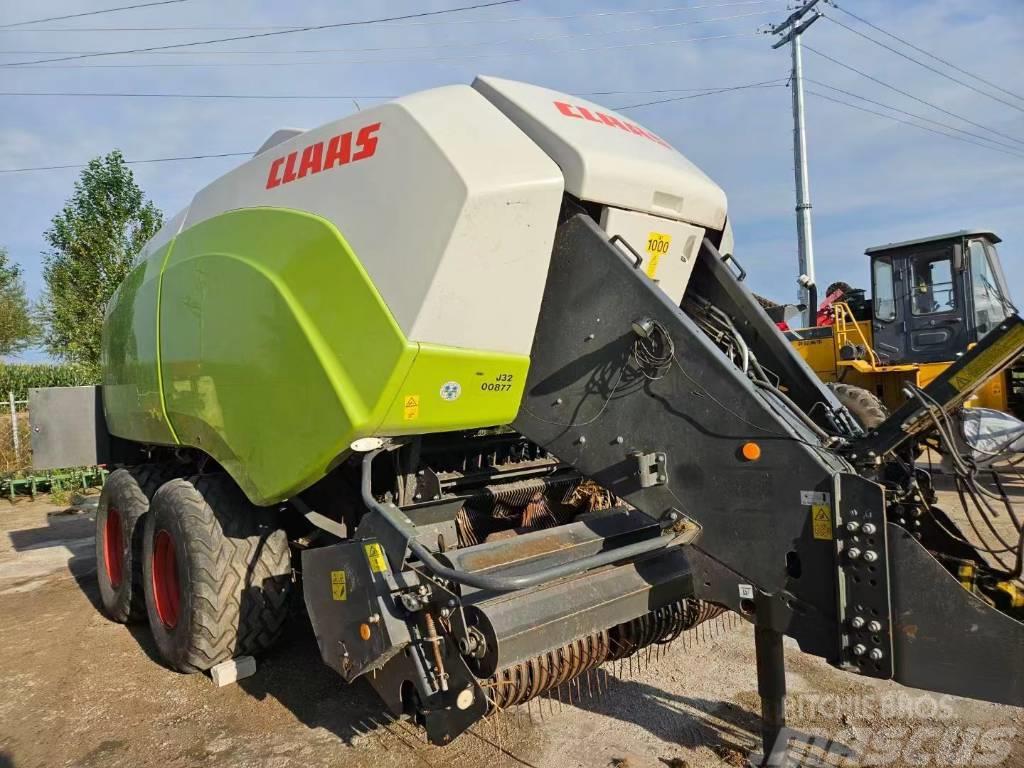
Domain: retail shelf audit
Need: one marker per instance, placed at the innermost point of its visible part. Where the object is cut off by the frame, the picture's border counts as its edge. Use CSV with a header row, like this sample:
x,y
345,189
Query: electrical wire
x,y
449,45
910,114
777,83
706,90
929,67
244,96
814,93
252,35
433,22
654,351
128,162
89,13
930,55
245,154
431,60
910,95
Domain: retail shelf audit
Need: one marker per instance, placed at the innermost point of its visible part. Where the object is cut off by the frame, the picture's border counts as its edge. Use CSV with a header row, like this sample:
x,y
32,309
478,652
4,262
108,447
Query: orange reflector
x,y
364,631
751,451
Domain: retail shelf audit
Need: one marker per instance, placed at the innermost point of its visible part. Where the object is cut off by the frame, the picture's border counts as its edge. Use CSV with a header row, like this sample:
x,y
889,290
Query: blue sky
x,y
872,180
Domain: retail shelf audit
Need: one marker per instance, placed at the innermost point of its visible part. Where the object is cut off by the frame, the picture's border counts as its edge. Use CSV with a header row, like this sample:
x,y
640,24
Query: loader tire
x,y
123,504
217,573
865,407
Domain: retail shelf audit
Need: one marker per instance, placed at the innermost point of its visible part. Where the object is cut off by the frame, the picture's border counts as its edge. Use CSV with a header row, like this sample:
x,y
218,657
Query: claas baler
x,y
477,374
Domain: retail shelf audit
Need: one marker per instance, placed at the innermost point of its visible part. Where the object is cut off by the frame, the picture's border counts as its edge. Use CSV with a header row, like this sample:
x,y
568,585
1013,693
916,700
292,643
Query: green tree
x,y
94,242
18,329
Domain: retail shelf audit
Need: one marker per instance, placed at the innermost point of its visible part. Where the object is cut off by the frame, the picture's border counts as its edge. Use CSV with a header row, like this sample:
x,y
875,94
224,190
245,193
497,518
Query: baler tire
x,y
217,573
865,407
124,502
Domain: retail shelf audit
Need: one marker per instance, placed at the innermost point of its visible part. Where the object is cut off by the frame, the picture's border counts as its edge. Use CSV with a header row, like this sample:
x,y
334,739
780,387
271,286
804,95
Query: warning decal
x,y
375,554
658,244
410,407
821,521
991,357
339,590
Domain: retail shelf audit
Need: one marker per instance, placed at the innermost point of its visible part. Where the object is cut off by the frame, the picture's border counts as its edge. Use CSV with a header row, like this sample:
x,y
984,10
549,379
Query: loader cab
x,y
934,296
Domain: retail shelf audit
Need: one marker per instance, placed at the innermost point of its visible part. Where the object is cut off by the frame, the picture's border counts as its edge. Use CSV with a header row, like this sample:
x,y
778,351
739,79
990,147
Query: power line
x,y
314,96
431,60
127,162
909,44
89,13
245,96
337,25
776,83
445,22
444,46
911,114
912,96
240,154
907,122
929,67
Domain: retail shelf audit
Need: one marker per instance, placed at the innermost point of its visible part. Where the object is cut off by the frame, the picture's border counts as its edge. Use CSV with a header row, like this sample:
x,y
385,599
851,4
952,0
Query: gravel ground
x,y
79,690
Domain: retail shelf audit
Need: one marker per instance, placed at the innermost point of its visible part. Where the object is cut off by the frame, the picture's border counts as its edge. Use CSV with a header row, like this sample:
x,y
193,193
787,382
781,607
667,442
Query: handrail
x,y
844,319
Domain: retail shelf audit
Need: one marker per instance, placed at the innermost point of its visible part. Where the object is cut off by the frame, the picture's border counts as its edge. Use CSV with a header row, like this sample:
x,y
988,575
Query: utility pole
x,y
791,29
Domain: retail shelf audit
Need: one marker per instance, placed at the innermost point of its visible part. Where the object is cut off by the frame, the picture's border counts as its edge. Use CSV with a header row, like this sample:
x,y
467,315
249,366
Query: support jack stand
x,y
771,687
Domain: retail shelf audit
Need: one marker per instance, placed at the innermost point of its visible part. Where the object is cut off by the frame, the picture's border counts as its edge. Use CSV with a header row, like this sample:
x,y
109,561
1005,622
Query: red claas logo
x,y
582,113
324,155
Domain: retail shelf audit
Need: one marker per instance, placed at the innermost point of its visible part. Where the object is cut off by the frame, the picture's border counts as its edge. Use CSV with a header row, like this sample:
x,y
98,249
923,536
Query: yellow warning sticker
x,y
658,244
821,521
339,590
411,407
1004,348
375,554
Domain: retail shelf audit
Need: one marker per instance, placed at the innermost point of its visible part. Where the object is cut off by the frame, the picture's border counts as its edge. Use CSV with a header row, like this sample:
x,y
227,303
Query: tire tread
x,y
240,564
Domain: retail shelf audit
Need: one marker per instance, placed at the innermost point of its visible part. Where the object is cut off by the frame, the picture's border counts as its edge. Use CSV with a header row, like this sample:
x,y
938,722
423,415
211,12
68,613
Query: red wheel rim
x,y
166,592
112,547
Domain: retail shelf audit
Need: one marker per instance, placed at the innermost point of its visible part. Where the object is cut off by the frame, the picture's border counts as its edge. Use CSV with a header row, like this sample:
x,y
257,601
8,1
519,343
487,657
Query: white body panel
x,y
606,157
450,199
453,214
668,248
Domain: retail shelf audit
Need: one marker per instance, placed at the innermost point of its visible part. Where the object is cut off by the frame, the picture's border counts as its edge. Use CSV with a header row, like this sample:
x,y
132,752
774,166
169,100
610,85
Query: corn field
x,y
15,436
20,377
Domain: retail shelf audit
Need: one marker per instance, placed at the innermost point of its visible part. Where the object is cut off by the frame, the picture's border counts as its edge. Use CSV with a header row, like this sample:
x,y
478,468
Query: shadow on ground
x,y
294,674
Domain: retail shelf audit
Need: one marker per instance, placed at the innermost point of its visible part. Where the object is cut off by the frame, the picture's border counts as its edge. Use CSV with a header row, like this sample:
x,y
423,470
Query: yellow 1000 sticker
x,y
658,244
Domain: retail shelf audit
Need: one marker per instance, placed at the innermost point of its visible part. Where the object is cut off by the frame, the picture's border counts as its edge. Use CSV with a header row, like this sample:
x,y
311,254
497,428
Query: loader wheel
x,y
217,573
866,408
124,501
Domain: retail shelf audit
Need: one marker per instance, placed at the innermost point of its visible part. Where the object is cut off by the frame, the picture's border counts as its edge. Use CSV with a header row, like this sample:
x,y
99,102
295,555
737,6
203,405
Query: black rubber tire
x,y
127,492
865,407
231,566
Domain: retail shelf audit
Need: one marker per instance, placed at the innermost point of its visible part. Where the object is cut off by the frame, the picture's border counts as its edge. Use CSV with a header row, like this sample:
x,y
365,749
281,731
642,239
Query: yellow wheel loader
x,y
932,299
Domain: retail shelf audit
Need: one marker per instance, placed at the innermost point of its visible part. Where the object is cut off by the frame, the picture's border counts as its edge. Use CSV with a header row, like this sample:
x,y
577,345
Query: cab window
x,y
884,291
989,305
931,285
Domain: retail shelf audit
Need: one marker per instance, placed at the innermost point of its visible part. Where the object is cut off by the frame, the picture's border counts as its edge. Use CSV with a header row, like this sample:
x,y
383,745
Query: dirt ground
x,y
79,690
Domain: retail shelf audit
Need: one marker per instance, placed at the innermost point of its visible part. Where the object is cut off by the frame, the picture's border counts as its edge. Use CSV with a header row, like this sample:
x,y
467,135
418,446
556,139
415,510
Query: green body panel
x,y
490,385
276,352
131,376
